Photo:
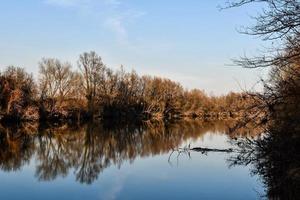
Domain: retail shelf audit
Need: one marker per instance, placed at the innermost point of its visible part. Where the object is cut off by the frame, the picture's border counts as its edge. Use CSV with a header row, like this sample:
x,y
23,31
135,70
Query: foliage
x,y
17,94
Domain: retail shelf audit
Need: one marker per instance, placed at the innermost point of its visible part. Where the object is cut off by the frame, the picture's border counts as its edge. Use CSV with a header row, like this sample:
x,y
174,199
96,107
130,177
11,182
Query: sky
x,y
191,41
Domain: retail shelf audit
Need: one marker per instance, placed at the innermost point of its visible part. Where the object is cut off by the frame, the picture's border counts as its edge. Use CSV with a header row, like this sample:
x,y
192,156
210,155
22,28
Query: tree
x,y
22,80
56,79
60,90
279,22
92,69
17,93
276,155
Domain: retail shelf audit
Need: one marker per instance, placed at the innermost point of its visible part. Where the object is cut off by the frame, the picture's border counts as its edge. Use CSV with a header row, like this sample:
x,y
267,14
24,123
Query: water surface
x,y
127,162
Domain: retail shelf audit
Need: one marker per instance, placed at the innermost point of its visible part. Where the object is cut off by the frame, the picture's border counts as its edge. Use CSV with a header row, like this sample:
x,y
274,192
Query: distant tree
x,y
100,91
17,91
93,72
22,80
56,79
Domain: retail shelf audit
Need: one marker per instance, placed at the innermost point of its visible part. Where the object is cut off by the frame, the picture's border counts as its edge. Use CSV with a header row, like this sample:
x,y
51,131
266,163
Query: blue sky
x,y
188,41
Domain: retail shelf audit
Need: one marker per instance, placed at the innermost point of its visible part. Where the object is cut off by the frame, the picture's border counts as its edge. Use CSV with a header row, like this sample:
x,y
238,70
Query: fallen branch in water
x,y
187,149
200,149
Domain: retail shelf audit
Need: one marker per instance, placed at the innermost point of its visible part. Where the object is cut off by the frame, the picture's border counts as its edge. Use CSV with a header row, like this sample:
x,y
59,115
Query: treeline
x,y
96,91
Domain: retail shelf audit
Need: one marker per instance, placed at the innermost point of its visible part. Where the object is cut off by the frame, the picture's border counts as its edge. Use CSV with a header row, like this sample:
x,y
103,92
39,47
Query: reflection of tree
x,y
92,148
51,159
90,161
15,149
276,158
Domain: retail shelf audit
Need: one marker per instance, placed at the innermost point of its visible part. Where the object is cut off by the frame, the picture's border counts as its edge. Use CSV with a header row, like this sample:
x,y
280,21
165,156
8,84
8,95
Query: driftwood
x,y
200,149
187,150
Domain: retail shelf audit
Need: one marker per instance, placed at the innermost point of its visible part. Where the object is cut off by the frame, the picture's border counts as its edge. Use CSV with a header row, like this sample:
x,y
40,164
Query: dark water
x,y
99,162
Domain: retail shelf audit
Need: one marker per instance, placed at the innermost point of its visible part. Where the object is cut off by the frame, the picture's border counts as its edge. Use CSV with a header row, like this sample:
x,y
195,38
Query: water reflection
x,y
91,148
275,158
87,151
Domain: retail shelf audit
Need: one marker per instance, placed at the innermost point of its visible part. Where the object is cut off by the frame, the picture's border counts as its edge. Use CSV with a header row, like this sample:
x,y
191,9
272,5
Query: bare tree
x,y
56,79
279,22
92,69
17,92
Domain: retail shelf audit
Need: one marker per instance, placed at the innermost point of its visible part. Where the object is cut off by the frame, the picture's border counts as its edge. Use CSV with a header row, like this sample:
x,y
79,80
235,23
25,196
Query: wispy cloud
x,y
118,23
112,14
78,3
118,184
66,3
113,2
